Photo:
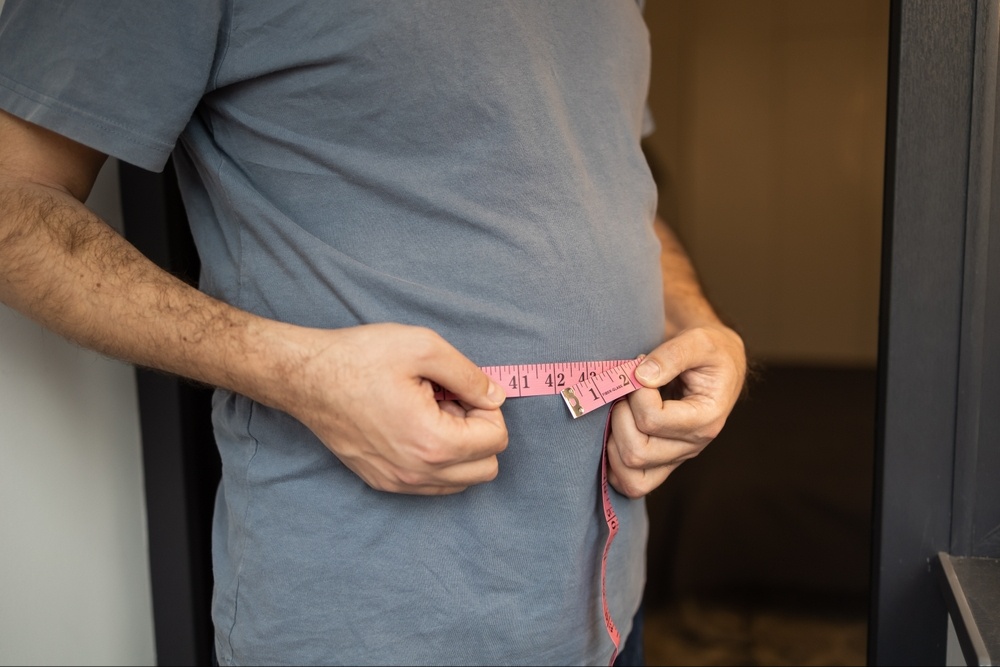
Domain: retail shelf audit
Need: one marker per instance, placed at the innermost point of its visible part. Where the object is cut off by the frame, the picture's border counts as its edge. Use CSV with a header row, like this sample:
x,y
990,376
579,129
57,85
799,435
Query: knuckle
x,y
672,356
434,453
424,343
502,441
711,433
387,484
379,484
421,442
631,457
708,433
411,480
702,339
687,457
493,471
630,488
475,379
705,338
645,421
408,479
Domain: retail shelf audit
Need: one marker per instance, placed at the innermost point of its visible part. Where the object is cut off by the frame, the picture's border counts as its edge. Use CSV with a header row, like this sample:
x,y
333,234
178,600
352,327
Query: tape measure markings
x,y
583,385
602,388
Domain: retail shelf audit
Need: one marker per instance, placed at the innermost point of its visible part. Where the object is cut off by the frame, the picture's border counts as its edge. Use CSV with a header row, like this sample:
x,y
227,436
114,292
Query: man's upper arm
x,y
34,154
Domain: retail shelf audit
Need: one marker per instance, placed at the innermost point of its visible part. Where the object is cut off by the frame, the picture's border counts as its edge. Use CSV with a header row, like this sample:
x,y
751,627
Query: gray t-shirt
x,y
471,167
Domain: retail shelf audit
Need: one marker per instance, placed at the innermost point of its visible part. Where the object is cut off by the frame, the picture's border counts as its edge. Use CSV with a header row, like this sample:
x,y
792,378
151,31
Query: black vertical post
x,y
924,247
180,460
976,497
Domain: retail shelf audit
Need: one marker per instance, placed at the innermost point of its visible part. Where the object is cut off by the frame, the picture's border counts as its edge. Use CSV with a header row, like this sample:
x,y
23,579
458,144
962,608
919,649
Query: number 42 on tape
x,y
594,383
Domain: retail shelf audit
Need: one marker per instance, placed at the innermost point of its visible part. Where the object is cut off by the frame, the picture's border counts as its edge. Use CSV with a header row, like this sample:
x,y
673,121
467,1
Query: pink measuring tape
x,y
591,385
583,385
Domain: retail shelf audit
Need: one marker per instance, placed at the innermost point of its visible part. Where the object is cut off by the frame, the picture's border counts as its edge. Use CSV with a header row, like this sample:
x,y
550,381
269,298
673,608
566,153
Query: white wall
x,y
74,567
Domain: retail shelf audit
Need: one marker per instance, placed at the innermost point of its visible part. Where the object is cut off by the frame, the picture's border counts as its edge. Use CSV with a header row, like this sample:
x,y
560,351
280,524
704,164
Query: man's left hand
x,y
701,372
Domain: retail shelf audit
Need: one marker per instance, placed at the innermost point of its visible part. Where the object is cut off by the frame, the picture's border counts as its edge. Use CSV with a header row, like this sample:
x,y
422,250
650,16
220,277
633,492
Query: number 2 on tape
x,y
583,385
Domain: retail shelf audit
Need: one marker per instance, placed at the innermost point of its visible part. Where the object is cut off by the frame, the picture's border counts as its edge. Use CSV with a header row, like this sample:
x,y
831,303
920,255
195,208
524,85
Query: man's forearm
x,y
364,391
65,268
685,303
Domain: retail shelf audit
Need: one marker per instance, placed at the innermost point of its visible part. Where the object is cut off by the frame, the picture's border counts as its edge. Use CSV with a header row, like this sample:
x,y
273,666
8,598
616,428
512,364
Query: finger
x,y
638,483
715,349
626,445
443,364
690,419
460,475
456,438
417,476
453,408
640,451
710,361
632,481
661,365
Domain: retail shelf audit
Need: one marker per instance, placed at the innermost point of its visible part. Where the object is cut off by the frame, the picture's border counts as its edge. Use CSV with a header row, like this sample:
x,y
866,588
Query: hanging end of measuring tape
x,y
572,402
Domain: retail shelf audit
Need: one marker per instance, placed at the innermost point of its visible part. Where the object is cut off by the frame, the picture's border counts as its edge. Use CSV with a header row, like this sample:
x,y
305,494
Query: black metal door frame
x,y
935,365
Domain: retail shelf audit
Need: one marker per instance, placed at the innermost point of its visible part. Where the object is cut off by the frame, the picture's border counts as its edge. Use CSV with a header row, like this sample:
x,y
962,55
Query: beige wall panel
x,y
769,148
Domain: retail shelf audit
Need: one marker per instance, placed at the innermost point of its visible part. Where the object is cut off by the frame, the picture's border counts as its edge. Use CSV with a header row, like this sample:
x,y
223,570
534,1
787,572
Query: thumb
x,y
662,365
452,370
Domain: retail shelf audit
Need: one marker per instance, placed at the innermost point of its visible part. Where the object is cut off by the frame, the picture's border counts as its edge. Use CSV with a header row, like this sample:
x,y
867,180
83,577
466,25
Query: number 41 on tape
x,y
600,383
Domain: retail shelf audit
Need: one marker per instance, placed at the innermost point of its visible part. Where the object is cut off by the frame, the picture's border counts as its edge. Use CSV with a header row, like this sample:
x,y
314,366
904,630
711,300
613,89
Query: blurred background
x,y
769,154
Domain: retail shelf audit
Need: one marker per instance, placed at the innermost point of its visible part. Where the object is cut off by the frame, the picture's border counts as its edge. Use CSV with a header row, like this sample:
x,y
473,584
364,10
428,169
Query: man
x,y
385,196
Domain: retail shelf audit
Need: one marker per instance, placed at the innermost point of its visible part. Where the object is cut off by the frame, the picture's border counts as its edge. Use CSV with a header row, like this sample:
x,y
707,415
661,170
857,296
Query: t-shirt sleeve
x,y
122,77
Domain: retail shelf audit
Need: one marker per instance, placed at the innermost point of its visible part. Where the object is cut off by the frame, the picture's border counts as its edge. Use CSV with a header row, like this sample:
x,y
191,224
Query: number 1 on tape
x,y
591,383
601,389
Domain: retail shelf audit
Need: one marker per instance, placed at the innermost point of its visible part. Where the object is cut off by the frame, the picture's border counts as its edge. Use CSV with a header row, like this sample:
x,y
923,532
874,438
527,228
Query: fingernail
x,y
496,394
647,371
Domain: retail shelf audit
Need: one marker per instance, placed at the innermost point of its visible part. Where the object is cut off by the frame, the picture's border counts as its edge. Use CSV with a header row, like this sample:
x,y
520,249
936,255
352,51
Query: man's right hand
x,y
365,391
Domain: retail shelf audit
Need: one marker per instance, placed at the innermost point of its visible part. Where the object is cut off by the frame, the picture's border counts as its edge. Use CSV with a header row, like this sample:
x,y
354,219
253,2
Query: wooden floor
x,y
759,549
698,633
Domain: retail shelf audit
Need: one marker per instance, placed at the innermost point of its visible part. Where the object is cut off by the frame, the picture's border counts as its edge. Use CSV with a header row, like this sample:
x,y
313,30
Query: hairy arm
x,y
701,369
683,300
64,267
